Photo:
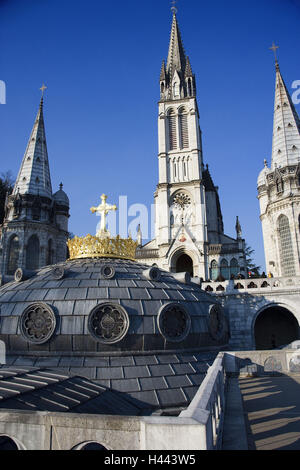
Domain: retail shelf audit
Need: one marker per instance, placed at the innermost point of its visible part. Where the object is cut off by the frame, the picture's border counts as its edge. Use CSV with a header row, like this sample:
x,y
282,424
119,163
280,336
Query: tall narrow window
x,y
50,252
13,255
214,270
224,269
183,126
234,267
33,253
172,130
285,247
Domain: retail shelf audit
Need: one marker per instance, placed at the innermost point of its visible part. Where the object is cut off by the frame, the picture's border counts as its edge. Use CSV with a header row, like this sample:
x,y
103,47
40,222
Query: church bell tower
x,y
179,198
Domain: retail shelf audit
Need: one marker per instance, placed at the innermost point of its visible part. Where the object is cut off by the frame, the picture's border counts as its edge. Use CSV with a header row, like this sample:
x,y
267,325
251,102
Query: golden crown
x,y
102,245
96,247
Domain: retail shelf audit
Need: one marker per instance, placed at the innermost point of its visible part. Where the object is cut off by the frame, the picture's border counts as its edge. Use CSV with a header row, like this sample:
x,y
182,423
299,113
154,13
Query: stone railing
x,y
232,286
217,249
144,254
208,406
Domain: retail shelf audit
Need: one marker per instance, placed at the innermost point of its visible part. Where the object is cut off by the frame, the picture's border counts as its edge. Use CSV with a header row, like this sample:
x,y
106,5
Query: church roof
x,y
286,126
34,174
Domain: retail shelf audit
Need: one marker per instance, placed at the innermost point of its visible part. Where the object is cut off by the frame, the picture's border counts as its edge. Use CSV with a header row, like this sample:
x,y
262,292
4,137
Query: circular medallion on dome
x,y
216,324
37,323
107,271
108,323
173,322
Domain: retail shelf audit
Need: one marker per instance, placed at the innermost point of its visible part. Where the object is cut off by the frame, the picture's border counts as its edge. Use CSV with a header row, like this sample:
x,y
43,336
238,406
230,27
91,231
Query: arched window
x,y
285,246
13,255
162,88
172,130
183,127
33,253
184,169
214,271
50,252
224,269
234,267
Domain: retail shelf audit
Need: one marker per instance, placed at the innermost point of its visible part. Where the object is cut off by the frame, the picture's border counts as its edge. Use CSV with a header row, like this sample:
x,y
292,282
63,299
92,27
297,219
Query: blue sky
x,y
101,62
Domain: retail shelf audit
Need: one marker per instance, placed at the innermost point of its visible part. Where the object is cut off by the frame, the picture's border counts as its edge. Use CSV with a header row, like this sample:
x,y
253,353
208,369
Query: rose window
x,y
108,322
174,322
181,201
37,323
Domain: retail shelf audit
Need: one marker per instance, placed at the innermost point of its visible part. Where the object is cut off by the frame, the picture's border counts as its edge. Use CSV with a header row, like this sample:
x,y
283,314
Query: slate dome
x,y
120,323
61,197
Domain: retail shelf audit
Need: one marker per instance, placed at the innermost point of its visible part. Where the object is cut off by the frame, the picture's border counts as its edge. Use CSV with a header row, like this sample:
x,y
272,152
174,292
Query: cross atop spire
x,y
173,7
43,87
274,49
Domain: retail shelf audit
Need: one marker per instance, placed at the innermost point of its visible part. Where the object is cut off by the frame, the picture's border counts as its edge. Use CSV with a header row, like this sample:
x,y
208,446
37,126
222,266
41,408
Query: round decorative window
x,y
37,323
181,200
107,271
216,322
108,322
174,322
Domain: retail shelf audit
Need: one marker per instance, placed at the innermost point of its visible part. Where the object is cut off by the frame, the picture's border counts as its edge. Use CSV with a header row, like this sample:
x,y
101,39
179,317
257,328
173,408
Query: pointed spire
x,y
162,76
238,228
188,69
34,174
176,56
286,126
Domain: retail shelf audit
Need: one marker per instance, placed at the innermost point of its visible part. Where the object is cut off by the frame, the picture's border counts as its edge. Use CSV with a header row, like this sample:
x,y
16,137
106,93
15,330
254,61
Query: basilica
x,y
112,344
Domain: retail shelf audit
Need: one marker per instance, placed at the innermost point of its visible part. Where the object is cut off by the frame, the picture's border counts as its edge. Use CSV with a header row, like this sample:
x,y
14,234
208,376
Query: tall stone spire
x,y
176,56
34,174
176,77
286,126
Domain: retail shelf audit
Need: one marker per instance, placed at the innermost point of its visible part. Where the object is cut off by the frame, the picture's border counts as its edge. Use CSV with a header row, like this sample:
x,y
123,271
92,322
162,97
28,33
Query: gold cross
x,y
43,87
274,48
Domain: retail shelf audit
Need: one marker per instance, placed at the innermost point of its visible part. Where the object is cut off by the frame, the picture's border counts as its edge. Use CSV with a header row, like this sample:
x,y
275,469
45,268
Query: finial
x,y
173,7
60,186
43,87
265,162
274,49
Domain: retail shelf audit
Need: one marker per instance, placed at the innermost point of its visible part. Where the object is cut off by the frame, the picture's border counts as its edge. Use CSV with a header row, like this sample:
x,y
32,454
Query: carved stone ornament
x,y
174,322
108,323
216,322
37,323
